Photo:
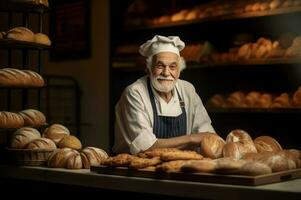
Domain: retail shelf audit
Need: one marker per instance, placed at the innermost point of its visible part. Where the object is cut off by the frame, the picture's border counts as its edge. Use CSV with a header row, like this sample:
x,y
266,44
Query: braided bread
x,y
10,77
10,120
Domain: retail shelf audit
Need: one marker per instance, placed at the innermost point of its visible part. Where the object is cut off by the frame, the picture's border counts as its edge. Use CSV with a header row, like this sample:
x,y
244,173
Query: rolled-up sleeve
x,y
134,130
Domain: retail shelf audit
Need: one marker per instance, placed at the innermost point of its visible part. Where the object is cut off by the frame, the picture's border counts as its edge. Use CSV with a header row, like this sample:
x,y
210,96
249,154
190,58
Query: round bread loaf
x,y
41,38
238,135
267,144
74,161
20,33
212,146
11,120
41,143
33,117
93,156
278,162
56,132
237,150
70,141
59,158
23,136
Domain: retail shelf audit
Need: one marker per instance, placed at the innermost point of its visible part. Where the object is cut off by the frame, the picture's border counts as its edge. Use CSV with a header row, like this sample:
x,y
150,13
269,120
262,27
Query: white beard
x,y
167,87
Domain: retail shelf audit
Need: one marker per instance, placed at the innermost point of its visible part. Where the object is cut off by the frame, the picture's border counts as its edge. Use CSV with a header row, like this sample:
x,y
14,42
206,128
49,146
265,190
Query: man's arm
x,y
180,142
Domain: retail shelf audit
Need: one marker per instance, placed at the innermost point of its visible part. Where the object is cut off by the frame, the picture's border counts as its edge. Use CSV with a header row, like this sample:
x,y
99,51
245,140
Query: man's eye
x,y
159,66
173,67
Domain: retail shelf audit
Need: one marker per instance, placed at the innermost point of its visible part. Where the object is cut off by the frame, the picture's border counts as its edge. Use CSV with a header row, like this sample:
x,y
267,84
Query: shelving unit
x,y
274,75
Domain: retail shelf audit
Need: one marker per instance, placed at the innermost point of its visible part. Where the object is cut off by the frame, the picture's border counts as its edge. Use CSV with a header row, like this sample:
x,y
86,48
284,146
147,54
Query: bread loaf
x,y
254,169
93,156
228,165
74,161
278,162
23,136
20,33
41,38
56,132
217,101
33,117
267,144
41,143
70,141
235,99
11,120
296,101
203,166
212,146
281,101
10,77
59,158
237,150
238,135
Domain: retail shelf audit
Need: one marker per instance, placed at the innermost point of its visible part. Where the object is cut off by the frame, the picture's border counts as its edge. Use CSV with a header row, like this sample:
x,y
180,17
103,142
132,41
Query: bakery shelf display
x,y
215,11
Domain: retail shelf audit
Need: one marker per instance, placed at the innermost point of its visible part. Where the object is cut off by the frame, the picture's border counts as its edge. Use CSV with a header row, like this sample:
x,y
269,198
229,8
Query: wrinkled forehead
x,y
166,58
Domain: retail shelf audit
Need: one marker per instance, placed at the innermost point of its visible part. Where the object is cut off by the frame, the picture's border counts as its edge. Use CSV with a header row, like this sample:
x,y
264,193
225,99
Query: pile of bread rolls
x,y
28,117
238,154
255,99
25,34
67,149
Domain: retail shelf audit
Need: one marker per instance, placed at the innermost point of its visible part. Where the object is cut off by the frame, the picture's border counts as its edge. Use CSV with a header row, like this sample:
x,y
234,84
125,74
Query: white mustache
x,y
164,78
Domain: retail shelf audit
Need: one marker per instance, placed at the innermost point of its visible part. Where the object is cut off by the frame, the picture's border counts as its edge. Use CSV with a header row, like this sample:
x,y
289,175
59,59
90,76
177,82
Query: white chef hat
x,y
161,44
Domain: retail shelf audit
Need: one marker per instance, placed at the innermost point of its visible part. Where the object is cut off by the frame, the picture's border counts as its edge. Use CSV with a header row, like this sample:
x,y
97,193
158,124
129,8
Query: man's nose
x,y
166,71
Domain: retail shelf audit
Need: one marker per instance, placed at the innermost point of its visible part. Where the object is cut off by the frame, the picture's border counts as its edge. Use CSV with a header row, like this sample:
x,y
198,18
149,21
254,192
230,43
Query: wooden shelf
x,y
16,44
230,16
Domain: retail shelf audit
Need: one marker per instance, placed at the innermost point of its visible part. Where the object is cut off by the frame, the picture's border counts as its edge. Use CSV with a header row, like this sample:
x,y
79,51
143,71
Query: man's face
x,y
165,71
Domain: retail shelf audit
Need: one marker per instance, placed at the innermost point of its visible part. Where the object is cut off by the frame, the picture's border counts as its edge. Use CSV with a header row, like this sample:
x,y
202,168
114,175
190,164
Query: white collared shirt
x,y
169,109
135,117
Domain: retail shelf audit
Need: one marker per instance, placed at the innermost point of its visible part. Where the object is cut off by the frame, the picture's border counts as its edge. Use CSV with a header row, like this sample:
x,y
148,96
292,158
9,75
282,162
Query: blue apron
x,y
166,127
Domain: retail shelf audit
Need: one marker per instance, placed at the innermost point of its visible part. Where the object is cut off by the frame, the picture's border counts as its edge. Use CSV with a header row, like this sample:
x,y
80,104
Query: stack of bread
x,y
26,35
238,154
255,99
70,153
29,117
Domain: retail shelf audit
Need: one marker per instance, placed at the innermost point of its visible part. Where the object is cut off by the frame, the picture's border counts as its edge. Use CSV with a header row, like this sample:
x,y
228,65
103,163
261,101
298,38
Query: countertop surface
x,y
84,177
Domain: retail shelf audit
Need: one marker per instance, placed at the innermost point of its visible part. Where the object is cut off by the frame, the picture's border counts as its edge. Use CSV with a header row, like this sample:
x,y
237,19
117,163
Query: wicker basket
x,y
29,157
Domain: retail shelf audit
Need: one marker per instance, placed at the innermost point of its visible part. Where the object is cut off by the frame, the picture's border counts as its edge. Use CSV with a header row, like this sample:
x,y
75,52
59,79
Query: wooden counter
x,y
112,184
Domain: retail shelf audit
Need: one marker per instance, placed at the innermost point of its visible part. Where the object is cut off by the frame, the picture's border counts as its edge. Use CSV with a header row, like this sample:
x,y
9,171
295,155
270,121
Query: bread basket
x,y
29,157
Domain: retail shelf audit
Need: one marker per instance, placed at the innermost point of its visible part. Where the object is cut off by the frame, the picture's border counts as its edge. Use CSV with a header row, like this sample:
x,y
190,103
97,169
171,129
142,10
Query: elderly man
x,y
160,110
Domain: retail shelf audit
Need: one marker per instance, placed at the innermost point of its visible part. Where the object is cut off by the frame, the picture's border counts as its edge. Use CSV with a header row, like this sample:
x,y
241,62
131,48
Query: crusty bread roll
x,y
56,132
203,166
267,144
41,143
264,101
235,99
278,162
33,117
70,141
228,165
74,161
11,120
59,158
254,169
237,150
23,136
93,156
281,101
212,146
10,77
296,101
217,101
20,33
238,135
251,99
41,38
